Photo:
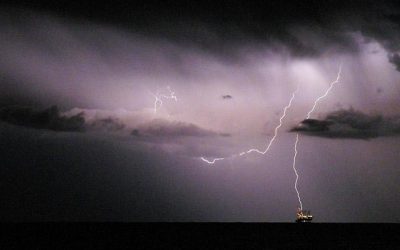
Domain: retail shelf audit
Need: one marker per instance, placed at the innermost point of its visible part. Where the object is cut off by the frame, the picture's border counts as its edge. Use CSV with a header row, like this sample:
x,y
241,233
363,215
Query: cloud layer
x,y
50,118
103,121
350,124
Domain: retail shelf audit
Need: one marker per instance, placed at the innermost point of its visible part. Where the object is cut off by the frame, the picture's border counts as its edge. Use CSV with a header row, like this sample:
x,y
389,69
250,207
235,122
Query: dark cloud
x,y
313,125
350,124
395,59
227,97
52,119
47,119
302,29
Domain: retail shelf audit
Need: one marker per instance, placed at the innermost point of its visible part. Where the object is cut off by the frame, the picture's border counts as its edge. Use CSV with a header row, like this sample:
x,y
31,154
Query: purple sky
x,y
110,173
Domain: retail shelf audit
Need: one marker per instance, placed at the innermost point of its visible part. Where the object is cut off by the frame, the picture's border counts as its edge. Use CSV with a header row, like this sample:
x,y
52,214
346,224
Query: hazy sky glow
x,y
106,155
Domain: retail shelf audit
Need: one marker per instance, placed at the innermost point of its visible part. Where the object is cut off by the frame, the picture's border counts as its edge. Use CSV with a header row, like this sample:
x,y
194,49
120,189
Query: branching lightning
x,y
158,98
297,135
270,142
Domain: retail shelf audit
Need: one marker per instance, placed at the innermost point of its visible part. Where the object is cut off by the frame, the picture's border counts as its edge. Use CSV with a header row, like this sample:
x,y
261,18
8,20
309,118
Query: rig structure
x,y
303,216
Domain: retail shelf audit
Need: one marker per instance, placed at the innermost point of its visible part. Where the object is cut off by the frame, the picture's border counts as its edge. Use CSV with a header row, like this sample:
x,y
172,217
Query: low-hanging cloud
x,y
103,121
49,119
350,124
139,123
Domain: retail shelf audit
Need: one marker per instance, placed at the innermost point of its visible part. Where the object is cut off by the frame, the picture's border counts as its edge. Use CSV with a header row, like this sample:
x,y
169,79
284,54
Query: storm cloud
x,y
350,124
111,150
97,120
50,118
228,30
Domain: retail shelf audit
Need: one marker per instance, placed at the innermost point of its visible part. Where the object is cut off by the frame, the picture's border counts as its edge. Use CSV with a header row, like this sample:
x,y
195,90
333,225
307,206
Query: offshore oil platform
x,y
303,216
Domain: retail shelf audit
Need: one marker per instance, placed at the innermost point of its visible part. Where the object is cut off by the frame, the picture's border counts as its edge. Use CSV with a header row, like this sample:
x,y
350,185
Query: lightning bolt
x,y
158,98
277,127
326,93
270,142
212,161
295,171
157,101
308,116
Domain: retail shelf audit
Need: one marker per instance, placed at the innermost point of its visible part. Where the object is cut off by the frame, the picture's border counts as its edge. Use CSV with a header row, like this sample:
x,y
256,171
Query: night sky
x,y
107,108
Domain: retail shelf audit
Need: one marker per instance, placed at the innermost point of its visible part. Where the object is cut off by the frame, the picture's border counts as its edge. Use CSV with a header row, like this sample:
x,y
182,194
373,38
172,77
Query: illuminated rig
x,y
303,216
